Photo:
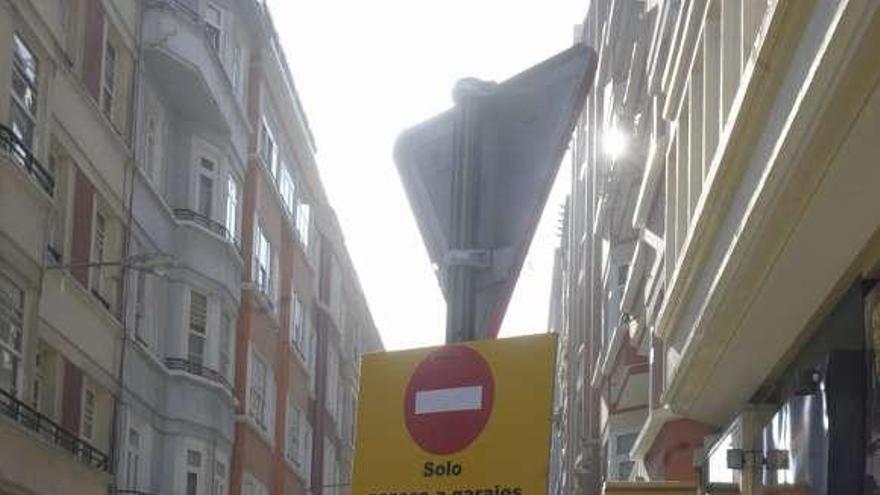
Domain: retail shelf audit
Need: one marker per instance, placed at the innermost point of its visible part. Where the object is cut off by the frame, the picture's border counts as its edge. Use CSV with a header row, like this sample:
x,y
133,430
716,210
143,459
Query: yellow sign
x,y
465,419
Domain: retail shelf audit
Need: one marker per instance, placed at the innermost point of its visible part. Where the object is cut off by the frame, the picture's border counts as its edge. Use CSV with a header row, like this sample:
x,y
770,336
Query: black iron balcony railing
x,y
187,215
198,369
10,144
27,417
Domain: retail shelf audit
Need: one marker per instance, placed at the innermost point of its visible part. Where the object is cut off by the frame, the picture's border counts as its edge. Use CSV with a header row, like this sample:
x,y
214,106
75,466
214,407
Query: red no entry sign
x,y
449,399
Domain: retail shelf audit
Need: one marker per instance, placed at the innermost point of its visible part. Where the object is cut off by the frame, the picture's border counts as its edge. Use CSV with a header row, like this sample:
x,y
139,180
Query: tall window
x,y
140,306
225,361
198,326
23,111
332,381
303,212
109,79
298,322
193,469
11,328
133,460
294,417
268,150
214,26
264,263
219,478
232,208
205,193
235,78
99,243
89,410
288,190
252,486
258,390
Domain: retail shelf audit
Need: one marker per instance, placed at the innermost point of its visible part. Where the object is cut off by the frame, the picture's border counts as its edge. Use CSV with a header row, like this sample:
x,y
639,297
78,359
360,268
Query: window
x,y
332,380
198,325
258,390
303,211
99,247
252,486
11,330
294,418
232,208
205,192
236,66
331,470
297,325
225,361
88,413
23,111
193,469
150,146
288,190
109,79
307,452
268,150
133,460
622,465
264,264
219,478
214,26
139,305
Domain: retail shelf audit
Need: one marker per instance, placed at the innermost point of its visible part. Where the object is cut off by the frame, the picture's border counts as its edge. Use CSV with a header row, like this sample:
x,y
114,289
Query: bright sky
x,y
365,71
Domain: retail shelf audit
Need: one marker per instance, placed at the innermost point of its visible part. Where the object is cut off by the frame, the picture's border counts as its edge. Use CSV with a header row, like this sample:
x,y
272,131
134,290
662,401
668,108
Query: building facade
x,y
720,250
178,313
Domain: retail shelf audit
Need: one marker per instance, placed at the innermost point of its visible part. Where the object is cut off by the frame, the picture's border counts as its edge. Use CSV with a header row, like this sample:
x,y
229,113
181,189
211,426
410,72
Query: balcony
x,y
211,225
197,369
21,155
47,430
188,71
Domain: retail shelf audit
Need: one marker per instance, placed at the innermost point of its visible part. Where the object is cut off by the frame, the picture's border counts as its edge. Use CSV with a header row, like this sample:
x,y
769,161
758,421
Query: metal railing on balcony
x,y
12,145
29,418
187,215
198,369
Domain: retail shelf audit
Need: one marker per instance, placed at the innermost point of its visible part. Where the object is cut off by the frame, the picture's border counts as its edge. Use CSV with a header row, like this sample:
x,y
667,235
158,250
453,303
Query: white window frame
x,y
232,199
109,65
12,306
303,222
221,476
293,427
28,104
192,469
217,25
235,66
210,174
133,459
268,147
89,412
264,266
225,347
252,486
260,391
192,329
287,187
297,325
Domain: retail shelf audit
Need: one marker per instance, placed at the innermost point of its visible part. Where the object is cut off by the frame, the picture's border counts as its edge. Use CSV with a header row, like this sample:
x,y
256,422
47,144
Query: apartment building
x,y
163,238
721,249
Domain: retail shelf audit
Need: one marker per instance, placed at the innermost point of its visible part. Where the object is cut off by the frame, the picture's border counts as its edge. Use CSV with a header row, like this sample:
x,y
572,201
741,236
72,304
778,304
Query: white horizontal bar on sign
x,y
449,400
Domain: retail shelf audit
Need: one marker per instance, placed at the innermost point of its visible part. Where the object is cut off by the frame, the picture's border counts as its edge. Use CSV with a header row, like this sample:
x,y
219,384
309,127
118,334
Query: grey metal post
x,y
460,320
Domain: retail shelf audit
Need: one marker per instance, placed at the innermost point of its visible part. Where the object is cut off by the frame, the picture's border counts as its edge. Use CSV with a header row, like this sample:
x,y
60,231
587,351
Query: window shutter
x,y
71,399
94,48
271,392
81,239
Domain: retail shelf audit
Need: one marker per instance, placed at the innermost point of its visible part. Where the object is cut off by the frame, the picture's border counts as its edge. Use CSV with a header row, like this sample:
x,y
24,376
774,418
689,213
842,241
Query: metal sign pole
x,y
460,320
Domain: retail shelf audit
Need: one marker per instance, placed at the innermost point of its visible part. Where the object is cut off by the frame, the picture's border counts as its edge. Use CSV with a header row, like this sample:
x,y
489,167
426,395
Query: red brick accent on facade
x,y
81,239
671,458
71,398
93,49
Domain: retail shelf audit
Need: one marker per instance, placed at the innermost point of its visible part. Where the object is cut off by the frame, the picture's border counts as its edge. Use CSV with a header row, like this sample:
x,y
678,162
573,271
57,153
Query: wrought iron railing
x,y
10,144
27,417
187,215
198,369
